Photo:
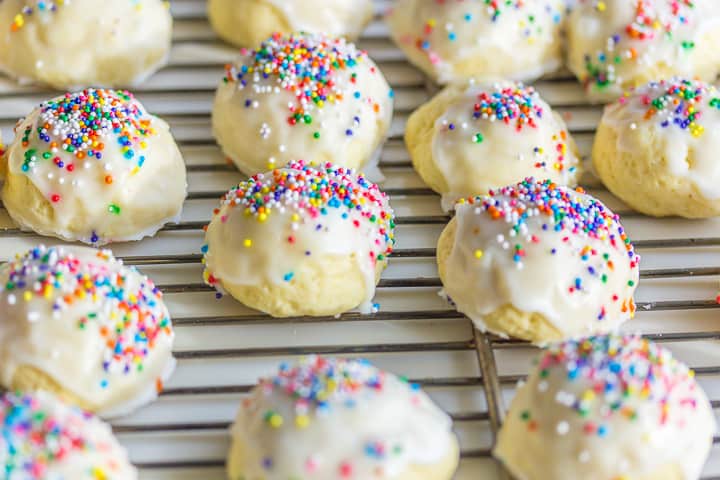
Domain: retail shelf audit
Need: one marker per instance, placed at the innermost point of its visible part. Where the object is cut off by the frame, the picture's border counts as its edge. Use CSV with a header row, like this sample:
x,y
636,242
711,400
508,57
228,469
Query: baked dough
x,y
540,262
76,322
470,139
93,166
657,149
328,419
70,44
247,23
305,97
42,438
302,240
608,407
615,45
452,41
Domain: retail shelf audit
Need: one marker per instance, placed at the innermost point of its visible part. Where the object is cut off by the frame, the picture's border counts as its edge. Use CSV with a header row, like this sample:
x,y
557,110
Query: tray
x,y
223,347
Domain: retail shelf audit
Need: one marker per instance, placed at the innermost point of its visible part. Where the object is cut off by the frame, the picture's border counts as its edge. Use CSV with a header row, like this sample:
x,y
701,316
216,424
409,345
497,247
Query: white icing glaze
x,y
492,136
683,118
519,41
122,184
608,408
263,122
44,439
250,242
336,18
610,47
98,328
324,419
508,251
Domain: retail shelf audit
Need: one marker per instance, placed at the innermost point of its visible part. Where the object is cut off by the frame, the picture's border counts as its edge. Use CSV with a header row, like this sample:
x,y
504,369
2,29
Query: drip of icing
x,y
285,216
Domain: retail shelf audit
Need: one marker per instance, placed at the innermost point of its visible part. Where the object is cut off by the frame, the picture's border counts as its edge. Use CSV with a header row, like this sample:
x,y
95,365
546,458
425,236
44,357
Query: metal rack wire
x,y
223,347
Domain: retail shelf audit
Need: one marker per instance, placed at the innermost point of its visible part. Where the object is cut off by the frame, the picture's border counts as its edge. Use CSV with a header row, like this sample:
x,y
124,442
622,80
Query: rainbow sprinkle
x,y
316,70
32,8
129,321
614,374
516,106
311,193
319,387
567,212
653,21
38,431
676,103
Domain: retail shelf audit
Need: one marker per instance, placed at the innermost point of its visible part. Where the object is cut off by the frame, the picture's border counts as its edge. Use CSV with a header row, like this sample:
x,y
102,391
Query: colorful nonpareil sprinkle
x,y
611,377
39,432
533,209
129,319
653,22
519,107
317,71
307,195
676,103
32,8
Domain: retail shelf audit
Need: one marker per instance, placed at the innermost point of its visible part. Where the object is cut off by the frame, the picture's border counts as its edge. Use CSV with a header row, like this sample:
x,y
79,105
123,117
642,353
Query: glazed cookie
x,y
303,96
93,166
44,439
656,149
246,23
538,262
614,45
468,140
76,322
344,419
301,240
68,44
608,407
456,40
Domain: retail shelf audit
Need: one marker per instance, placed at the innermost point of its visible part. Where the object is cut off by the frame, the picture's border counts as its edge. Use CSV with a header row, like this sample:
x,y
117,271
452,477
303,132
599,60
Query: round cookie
x,y
302,97
539,262
76,322
246,23
93,166
42,438
656,149
68,44
302,240
456,40
615,45
468,140
322,419
608,407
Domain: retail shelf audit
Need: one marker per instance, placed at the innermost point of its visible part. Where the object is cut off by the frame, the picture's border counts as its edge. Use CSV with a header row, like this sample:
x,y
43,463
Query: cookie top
x,y
343,418
614,42
546,249
93,148
300,95
456,40
98,328
679,115
501,133
620,406
267,225
42,438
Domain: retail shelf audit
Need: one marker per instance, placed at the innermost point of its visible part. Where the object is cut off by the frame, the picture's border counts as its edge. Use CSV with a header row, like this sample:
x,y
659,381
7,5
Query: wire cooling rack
x,y
223,347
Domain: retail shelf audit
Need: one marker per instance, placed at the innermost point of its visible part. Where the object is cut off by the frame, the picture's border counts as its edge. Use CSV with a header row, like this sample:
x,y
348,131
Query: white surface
x,y
223,347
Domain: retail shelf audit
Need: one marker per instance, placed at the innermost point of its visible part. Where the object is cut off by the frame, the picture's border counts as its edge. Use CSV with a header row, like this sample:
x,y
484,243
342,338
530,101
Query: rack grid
x,y
223,347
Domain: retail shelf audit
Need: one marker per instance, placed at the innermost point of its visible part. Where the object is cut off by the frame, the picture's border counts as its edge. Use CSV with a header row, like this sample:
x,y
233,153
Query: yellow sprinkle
x,y
302,421
276,421
27,296
479,254
262,217
601,6
247,243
